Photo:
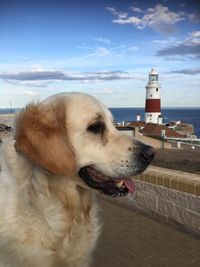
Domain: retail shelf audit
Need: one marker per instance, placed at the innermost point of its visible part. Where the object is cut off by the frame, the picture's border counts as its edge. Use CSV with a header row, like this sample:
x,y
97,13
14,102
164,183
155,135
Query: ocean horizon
x,y
128,114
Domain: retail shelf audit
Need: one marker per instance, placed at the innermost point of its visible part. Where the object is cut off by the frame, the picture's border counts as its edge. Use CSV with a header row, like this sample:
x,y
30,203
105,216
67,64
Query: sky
x,y
105,48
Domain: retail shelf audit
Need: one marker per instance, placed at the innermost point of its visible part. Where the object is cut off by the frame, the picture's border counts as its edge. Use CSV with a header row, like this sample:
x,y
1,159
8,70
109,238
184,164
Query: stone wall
x,y
173,197
7,119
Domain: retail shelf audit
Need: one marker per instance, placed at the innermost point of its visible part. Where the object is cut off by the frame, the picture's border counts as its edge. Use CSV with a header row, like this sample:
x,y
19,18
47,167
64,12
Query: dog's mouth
x,y
114,187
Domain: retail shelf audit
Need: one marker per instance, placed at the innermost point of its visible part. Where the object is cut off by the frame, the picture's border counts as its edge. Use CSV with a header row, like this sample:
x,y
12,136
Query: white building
x,y
152,105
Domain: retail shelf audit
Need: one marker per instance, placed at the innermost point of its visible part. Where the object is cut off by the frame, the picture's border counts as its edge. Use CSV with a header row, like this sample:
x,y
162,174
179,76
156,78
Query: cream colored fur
x,y
47,218
36,229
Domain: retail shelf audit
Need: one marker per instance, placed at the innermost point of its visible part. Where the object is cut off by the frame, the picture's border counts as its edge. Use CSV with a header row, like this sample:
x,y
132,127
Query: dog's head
x,y
73,135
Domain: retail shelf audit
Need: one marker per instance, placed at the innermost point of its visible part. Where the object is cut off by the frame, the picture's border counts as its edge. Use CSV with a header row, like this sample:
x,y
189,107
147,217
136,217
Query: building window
x,y
150,95
153,77
156,89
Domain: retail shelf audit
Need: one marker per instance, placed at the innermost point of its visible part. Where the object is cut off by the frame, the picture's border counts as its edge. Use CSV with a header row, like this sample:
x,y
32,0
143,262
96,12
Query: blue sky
x,y
103,48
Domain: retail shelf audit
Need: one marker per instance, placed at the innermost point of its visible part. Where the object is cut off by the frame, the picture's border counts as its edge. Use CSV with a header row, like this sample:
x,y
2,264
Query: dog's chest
x,y
69,245
59,241
77,243
73,237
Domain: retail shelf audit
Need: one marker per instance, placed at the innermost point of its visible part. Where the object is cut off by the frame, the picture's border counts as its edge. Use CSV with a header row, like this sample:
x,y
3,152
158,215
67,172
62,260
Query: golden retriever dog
x,y
64,150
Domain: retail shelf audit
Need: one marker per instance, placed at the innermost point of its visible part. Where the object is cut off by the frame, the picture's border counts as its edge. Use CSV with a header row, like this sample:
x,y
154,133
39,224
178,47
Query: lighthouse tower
x,y
152,106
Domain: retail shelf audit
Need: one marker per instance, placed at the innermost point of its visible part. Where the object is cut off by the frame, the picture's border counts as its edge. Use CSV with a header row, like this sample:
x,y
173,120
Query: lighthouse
x,y
152,106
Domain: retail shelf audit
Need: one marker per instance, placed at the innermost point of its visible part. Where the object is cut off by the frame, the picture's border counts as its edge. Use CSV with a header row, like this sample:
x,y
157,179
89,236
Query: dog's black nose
x,y
147,154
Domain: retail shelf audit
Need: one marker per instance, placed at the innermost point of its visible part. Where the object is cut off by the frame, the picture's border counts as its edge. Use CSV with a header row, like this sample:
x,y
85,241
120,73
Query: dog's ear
x,y
41,135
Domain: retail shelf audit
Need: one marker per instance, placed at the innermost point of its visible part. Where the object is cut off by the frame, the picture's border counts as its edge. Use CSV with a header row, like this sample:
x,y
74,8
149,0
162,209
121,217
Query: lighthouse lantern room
x,y
152,106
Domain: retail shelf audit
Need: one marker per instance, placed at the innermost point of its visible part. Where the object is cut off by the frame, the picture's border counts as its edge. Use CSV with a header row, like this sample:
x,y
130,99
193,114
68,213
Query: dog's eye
x,y
96,128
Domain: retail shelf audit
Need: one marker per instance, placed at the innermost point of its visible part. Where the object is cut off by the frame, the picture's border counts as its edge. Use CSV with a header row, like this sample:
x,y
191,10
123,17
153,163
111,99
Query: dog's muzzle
x,y
111,186
117,186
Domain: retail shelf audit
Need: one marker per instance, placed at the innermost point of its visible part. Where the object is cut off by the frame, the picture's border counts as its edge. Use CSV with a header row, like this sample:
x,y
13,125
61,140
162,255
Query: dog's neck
x,y
34,182
72,196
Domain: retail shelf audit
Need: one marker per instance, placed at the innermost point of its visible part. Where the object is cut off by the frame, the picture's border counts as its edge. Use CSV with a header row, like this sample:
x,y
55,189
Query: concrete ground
x,y
131,239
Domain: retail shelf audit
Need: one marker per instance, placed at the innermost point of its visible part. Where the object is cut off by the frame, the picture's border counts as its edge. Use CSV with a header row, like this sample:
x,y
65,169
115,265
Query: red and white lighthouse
x,y
152,106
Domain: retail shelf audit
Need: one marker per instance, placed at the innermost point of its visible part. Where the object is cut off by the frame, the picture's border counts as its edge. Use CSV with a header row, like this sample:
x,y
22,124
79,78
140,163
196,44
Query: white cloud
x,y
132,49
194,17
102,52
161,15
194,38
130,20
84,47
195,34
105,90
136,9
112,10
121,15
103,40
111,52
165,41
162,42
159,18
194,71
189,46
38,67
29,93
28,83
32,77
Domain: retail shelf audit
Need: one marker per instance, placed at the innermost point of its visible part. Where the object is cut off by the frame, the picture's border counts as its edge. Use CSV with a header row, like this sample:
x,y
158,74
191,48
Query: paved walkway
x,y
130,239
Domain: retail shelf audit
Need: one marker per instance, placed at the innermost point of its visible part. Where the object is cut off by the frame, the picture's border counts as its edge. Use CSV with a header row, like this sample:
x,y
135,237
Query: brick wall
x,y
172,195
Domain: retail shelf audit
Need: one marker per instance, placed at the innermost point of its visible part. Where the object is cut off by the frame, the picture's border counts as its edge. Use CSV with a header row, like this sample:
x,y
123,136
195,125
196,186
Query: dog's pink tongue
x,y
129,183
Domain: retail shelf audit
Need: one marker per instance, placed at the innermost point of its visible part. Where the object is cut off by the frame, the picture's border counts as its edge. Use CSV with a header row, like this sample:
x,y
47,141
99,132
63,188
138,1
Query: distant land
x,y
184,114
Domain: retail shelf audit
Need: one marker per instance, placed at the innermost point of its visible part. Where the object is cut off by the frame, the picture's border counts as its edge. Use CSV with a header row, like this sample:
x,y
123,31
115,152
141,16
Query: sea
x,y
187,115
